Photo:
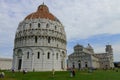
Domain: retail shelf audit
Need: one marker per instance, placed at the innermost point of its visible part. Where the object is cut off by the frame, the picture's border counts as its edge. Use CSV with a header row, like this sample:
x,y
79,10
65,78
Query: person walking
x,y
73,72
2,74
53,72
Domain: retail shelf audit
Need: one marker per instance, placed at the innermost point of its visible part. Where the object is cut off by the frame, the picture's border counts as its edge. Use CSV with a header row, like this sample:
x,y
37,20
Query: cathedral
x,y
85,57
40,42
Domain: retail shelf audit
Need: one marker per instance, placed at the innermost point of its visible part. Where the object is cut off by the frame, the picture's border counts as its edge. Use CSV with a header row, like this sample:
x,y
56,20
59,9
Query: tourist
x,y
2,75
53,72
13,70
33,70
90,70
24,71
73,72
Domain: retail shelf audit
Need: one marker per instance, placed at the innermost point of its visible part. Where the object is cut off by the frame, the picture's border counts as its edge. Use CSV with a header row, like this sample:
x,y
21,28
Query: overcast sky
x,y
86,21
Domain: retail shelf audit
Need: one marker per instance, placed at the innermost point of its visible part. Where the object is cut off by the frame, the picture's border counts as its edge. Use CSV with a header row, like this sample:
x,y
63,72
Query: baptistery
x,y
40,42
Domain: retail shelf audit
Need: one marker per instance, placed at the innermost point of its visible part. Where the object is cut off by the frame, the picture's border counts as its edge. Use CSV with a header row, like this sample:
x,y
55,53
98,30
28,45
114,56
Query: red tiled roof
x,y
42,12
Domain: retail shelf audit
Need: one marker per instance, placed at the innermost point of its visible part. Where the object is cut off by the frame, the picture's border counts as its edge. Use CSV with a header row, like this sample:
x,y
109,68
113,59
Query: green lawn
x,y
80,75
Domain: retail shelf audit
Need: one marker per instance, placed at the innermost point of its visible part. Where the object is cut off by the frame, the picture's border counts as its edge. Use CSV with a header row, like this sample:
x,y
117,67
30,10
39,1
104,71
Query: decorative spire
x,y
88,44
43,2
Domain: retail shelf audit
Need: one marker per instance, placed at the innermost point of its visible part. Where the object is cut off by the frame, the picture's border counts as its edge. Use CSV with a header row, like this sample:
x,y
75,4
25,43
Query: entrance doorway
x,y
79,66
73,65
86,64
19,58
19,64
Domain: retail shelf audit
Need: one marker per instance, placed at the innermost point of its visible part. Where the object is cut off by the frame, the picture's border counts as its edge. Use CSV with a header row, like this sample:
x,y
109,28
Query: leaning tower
x,y
40,42
109,52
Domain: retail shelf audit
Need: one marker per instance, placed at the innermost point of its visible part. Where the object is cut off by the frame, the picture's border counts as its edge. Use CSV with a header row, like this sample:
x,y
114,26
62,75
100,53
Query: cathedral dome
x,y
42,12
77,46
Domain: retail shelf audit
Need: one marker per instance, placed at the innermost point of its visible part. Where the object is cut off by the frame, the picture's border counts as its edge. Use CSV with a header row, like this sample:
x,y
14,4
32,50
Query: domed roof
x,y
42,12
78,46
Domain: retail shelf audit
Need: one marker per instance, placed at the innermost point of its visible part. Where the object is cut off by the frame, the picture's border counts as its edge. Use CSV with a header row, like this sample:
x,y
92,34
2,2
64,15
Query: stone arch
x,y
39,25
49,39
19,53
30,24
63,53
47,25
28,49
79,64
51,60
41,52
55,27
57,54
51,53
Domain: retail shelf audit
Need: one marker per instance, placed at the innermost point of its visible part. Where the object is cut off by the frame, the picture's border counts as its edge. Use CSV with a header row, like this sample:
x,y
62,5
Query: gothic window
x,y
30,27
28,55
35,39
47,25
73,65
24,25
38,56
30,24
57,45
48,55
38,25
56,55
55,27
49,39
86,64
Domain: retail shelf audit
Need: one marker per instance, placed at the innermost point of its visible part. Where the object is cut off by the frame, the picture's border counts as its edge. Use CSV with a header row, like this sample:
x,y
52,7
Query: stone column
x,y
53,61
22,57
43,61
32,67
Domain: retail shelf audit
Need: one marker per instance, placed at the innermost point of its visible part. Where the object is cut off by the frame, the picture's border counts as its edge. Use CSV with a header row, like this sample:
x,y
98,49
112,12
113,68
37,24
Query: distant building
x,y
5,63
40,42
84,57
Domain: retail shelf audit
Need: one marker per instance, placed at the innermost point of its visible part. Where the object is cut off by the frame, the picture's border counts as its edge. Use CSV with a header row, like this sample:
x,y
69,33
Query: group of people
x,y
2,74
72,73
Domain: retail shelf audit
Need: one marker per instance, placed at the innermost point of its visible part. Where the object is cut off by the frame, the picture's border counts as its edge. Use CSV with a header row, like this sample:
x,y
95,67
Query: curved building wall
x,y
40,45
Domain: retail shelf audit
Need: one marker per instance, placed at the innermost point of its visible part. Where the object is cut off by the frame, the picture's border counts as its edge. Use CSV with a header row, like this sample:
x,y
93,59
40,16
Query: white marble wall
x,y
25,41
5,64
